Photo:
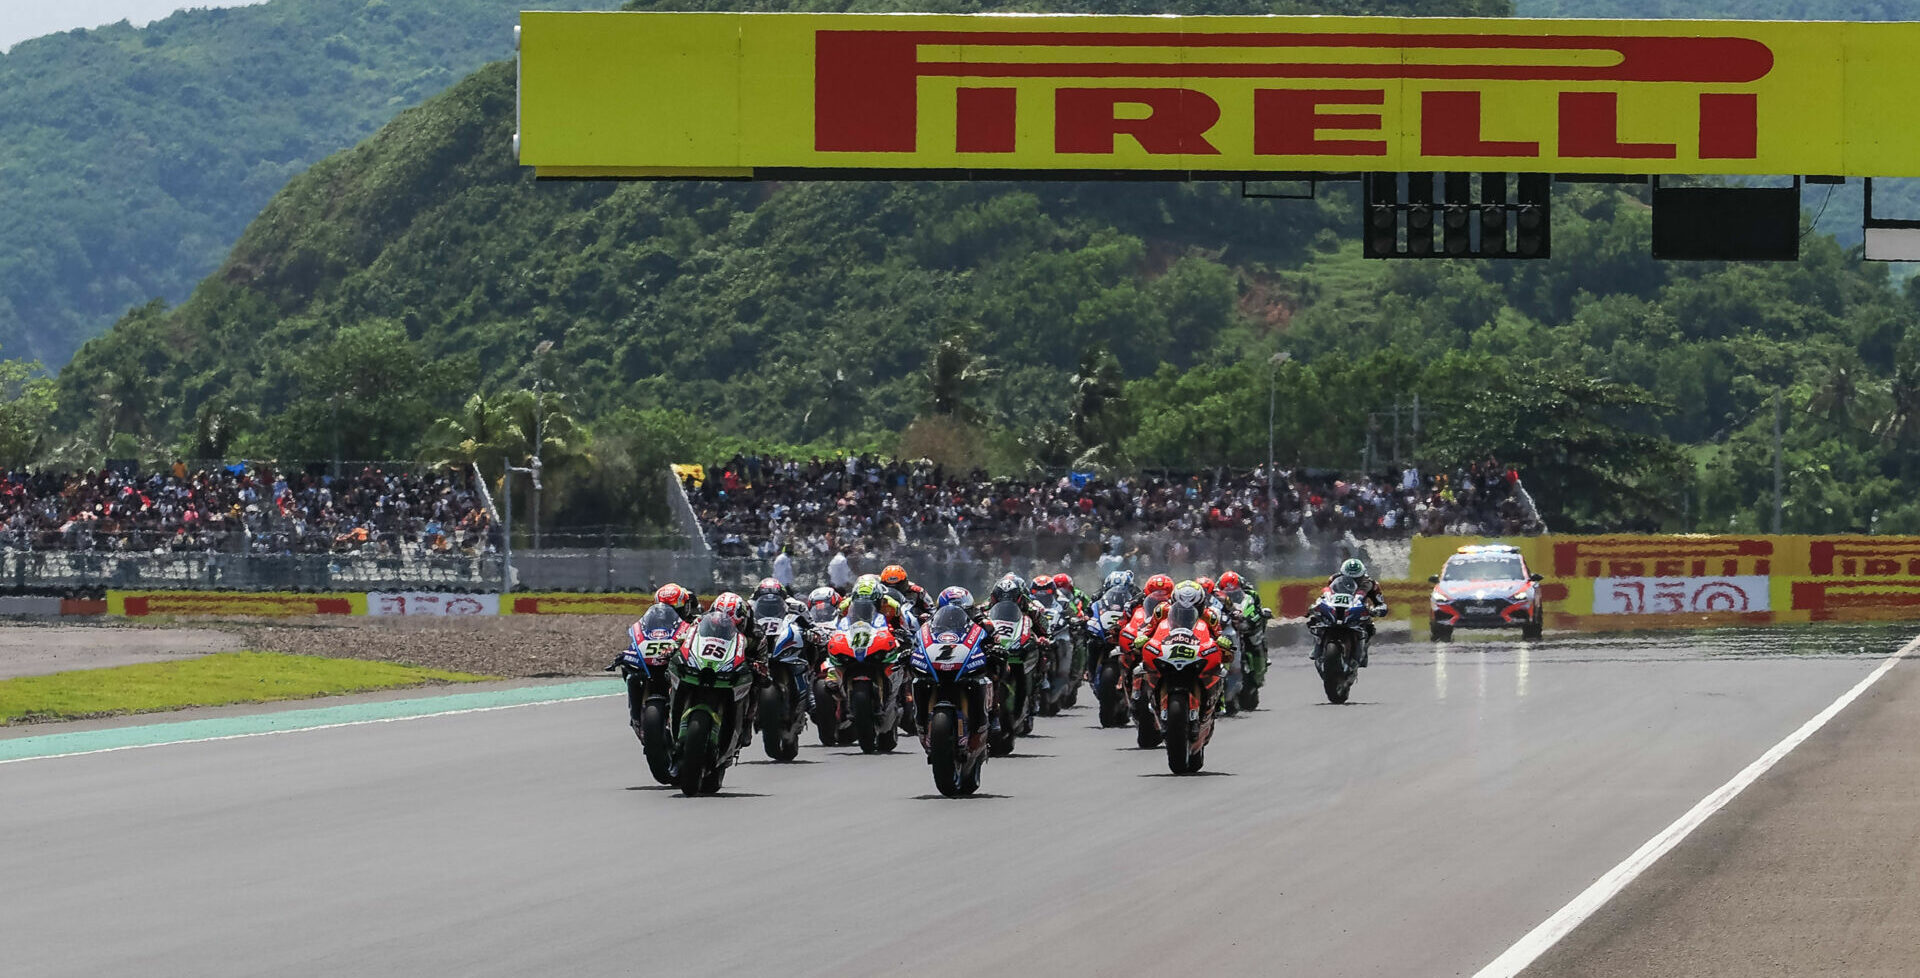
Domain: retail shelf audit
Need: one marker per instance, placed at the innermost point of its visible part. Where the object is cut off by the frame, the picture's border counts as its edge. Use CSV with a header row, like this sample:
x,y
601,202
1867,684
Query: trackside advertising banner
x,y
781,94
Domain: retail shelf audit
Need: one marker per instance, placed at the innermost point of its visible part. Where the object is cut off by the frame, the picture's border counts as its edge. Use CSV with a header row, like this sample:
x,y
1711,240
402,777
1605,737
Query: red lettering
x,y
1590,128
1881,567
1086,120
1729,127
984,120
1288,121
1450,126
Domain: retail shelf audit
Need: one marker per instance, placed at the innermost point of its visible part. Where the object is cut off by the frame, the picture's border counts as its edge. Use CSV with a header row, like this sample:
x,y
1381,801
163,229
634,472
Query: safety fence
x,y
1592,583
1630,582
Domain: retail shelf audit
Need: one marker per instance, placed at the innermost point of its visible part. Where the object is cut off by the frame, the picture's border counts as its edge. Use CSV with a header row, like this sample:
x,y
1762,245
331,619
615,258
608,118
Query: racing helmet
x,y
679,599
769,585
868,586
1160,584
1206,584
730,604
1119,578
1189,594
1353,568
1042,587
1006,588
1063,582
956,595
894,576
1230,583
823,604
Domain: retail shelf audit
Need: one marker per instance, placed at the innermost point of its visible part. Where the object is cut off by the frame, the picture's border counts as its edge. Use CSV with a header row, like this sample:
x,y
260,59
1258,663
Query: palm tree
x,y
483,431
953,371
1835,399
1901,425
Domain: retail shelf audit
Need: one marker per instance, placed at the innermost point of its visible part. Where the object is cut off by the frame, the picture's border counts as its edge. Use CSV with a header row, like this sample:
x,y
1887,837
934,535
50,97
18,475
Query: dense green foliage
x,y
130,159
1725,9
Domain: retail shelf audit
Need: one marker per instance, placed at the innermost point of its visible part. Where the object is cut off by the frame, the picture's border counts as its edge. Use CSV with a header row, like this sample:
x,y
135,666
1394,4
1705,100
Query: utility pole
x,y
1414,450
1778,501
1273,380
1397,457
506,517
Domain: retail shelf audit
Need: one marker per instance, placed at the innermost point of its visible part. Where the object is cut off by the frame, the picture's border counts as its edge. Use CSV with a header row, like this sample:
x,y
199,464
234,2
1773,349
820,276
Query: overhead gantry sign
x,y
723,95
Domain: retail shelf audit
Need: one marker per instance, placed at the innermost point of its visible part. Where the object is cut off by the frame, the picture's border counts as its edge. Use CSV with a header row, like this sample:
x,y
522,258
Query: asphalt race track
x,y
1468,794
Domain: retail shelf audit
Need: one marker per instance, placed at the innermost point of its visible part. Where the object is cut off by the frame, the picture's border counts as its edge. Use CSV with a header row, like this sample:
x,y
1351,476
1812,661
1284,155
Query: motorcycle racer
x,y
1369,590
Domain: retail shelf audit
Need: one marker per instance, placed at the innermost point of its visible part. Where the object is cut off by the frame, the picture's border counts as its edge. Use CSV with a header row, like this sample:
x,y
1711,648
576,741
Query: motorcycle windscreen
x,y
1116,597
1183,616
1346,585
823,613
863,610
769,606
951,620
659,618
1005,611
716,624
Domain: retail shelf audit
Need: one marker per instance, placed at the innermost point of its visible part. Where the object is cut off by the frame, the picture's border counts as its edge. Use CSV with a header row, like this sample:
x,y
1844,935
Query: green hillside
x,y
417,276
130,159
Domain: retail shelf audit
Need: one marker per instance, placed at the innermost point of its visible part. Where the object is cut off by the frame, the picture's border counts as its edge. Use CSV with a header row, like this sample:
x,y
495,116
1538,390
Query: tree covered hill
x,y
130,159
1010,324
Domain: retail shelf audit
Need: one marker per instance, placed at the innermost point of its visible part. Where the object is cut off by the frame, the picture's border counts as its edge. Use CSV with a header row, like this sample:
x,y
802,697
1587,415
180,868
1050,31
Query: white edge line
x,y
323,726
1537,941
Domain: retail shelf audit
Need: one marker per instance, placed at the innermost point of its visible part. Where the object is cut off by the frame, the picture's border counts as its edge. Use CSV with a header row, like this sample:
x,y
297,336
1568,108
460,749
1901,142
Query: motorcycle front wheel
x,y
693,774
1179,744
943,751
655,743
866,720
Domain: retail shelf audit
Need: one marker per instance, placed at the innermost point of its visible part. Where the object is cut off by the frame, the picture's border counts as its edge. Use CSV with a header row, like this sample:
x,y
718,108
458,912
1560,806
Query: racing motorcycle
x,y
1019,674
783,701
652,643
1250,658
1104,658
1060,685
953,696
865,655
1339,621
830,716
713,686
1133,642
1184,670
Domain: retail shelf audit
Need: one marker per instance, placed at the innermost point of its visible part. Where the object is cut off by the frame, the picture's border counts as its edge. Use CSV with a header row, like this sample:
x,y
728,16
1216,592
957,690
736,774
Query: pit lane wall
x,y
1617,582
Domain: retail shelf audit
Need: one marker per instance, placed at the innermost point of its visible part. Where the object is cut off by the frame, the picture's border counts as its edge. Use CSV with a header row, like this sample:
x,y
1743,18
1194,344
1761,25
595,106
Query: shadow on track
x,y
1196,774
653,787
770,760
973,797
725,794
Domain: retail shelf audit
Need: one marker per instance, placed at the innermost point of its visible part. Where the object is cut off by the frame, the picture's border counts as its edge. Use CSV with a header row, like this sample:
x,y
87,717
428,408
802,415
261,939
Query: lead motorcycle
x,y
1106,668
1019,674
1339,621
713,684
652,643
784,701
865,655
953,695
1185,670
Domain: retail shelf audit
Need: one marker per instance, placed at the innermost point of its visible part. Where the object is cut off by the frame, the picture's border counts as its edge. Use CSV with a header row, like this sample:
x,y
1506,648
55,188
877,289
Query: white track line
x,y
1529,948
323,726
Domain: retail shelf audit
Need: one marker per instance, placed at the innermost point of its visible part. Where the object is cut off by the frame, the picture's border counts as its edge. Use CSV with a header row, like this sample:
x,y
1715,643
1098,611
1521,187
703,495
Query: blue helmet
x,y
956,595
1119,578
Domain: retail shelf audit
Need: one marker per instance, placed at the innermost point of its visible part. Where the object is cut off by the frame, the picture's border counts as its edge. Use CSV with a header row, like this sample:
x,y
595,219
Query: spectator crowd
x,y
754,506
244,508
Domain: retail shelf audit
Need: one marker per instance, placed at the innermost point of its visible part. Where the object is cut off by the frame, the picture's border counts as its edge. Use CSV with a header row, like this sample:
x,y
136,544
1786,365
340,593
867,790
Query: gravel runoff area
x,y
515,646
37,649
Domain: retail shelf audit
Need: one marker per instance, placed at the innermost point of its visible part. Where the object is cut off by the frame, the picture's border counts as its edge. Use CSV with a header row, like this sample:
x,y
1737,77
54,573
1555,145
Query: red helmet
x,y
1042,583
894,576
1160,584
678,598
1063,581
1206,584
1230,581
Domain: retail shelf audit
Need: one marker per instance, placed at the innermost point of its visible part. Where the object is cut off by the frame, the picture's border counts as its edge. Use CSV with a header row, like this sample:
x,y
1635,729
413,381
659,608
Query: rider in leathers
x,y
1369,591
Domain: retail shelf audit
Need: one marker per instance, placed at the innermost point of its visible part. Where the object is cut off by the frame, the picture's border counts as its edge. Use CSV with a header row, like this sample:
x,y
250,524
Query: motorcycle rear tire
x,y
827,720
694,750
655,743
1250,698
1113,706
944,754
1179,743
866,719
1148,734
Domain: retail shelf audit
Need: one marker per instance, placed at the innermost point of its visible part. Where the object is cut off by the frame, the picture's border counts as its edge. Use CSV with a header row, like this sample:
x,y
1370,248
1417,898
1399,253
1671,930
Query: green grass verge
x,y
209,680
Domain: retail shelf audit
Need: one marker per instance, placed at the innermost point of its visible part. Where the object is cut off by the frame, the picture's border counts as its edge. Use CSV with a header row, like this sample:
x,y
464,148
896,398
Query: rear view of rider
x,y
1369,591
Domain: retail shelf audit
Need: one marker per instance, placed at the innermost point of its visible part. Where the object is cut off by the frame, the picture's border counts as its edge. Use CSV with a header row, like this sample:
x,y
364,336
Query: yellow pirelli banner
x,y
769,94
